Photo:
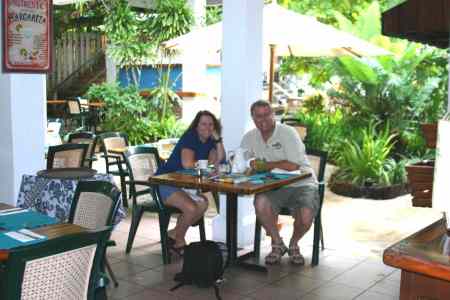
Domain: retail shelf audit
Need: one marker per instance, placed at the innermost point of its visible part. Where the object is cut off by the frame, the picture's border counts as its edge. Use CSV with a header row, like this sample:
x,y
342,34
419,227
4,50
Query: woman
x,y
201,141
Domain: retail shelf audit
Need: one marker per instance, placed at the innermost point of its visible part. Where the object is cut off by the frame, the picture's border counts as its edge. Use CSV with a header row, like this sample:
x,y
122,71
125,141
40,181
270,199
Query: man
x,y
278,146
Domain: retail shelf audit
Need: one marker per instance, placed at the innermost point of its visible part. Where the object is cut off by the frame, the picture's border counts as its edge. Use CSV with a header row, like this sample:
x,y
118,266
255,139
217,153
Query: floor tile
x,y
337,291
125,270
124,289
375,296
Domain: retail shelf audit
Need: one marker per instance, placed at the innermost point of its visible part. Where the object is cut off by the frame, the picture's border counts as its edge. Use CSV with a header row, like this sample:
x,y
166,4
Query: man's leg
x,y
303,220
267,217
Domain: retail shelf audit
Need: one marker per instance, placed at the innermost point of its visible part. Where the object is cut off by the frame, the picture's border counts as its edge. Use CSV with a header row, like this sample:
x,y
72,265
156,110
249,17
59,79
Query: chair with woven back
x,y
67,267
76,112
302,129
88,138
115,164
318,161
94,205
142,162
66,156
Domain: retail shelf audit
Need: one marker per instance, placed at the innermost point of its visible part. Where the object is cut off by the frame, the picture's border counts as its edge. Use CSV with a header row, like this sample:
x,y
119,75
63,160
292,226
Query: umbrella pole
x,y
271,71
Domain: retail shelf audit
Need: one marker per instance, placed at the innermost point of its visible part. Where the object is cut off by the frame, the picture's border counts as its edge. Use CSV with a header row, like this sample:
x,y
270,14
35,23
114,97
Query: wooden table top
x,y
51,231
243,188
91,103
118,150
425,252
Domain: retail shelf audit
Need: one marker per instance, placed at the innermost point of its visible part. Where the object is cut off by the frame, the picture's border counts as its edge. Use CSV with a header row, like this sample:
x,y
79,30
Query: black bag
x,y
203,266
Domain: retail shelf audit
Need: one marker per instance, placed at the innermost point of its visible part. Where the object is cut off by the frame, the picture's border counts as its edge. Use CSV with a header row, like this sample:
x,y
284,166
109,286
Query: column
x,y
193,54
23,124
241,86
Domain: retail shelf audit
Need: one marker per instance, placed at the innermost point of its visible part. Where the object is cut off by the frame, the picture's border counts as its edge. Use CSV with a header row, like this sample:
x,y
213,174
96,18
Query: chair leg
x,y
216,201
321,236
201,228
135,220
163,226
317,230
257,241
123,187
111,273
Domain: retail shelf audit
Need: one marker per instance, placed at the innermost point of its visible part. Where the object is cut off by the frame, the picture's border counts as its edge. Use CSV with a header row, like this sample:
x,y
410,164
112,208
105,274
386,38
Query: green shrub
x,y
128,112
368,161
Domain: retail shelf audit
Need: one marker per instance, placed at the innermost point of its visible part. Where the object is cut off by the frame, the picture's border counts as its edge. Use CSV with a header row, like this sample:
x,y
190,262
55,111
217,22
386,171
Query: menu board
x,y
27,35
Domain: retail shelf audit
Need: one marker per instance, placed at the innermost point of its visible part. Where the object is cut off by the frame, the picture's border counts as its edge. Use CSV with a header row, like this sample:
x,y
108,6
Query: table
x,y
232,191
51,231
53,197
425,263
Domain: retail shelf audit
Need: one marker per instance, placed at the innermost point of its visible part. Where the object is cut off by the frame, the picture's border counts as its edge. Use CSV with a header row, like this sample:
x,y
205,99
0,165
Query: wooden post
x,y
271,71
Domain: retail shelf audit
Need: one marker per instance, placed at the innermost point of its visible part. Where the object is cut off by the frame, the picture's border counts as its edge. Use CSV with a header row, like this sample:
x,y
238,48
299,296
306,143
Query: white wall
x,y
22,124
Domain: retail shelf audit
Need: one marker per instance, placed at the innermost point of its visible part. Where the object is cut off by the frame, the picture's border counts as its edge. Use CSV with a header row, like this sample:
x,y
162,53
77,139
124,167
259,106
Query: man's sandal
x,y
295,256
274,257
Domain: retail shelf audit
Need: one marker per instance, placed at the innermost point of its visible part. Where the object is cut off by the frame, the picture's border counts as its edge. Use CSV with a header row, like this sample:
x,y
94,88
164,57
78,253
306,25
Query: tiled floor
x,y
340,275
351,267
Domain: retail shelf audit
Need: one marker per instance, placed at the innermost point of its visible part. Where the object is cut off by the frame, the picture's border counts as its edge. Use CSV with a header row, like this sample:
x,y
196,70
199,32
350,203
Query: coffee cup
x,y
202,164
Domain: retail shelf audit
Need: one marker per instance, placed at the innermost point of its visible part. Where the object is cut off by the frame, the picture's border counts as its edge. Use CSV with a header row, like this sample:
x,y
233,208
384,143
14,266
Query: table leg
x,y
233,259
232,207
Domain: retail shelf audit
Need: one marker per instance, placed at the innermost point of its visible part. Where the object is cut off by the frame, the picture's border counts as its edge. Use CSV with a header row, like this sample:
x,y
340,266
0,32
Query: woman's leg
x,y
191,212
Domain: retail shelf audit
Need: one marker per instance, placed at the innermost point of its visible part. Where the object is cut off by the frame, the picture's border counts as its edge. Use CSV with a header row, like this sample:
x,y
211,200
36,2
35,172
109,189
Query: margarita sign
x,y
27,35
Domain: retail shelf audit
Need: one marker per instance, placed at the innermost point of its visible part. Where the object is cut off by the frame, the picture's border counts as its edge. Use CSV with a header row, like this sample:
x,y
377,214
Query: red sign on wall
x,y
27,36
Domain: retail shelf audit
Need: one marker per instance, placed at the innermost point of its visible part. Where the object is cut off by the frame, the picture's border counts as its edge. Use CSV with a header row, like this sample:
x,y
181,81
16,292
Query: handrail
x,y
89,63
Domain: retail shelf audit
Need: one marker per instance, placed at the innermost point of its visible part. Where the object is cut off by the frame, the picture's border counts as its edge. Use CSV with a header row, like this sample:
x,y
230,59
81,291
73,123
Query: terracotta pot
x,y
420,179
430,133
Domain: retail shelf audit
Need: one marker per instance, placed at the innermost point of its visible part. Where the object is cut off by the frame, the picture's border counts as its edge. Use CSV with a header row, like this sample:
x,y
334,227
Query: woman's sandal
x,y
171,245
295,257
274,257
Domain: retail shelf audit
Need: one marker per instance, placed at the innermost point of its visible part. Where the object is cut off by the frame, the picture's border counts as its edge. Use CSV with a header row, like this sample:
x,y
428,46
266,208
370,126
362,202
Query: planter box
x,y
430,133
420,179
349,189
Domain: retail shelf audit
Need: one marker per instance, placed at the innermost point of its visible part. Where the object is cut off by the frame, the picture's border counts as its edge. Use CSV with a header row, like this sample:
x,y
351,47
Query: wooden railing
x,y
71,52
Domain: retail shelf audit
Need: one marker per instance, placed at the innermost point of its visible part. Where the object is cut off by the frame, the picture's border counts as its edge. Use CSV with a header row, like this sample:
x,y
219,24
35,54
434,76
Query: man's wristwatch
x,y
219,140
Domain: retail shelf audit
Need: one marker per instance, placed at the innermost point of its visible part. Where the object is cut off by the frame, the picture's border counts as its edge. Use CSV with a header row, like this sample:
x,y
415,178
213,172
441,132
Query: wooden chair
x,y
94,206
61,268
143,162
66,156
77,113
88,138
114,162
318,161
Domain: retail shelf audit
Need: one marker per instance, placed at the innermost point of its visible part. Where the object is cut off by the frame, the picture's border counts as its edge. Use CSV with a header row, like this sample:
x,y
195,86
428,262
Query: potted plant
x,y
429,131
420,179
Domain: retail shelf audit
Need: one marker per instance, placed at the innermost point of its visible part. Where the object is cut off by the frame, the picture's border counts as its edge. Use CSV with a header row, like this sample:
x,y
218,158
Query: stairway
x,y
79,81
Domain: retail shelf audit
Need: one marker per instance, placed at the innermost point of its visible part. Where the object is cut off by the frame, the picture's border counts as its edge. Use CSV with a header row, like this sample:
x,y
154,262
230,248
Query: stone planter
x,y
375,192
420,179
430,133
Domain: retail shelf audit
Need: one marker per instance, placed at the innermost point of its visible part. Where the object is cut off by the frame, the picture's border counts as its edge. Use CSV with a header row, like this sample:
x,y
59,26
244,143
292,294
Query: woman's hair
x,y
194,124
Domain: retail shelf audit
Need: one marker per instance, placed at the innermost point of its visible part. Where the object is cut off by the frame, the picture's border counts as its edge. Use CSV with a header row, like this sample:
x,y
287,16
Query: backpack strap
x,y
178,285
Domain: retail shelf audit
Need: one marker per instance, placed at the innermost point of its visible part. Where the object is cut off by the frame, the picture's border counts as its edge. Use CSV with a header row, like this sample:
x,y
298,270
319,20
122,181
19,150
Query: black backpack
x,y
203,266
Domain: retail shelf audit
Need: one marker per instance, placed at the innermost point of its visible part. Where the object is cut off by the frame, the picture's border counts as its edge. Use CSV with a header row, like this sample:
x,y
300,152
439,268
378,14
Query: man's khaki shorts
x,y
294,198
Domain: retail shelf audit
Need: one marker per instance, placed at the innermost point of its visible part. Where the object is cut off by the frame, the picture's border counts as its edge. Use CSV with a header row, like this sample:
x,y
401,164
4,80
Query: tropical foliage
x,y
372,127
131,113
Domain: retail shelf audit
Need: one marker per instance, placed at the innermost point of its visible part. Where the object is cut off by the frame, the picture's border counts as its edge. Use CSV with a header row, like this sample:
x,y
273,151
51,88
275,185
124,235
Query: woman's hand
x,y
215,135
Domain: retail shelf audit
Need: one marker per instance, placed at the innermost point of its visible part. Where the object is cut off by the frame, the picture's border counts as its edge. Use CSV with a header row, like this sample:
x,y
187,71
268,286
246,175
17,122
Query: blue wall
x,y
150,77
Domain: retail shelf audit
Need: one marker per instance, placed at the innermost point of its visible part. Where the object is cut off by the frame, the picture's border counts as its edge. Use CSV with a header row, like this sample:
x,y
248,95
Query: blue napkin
x,y
25,219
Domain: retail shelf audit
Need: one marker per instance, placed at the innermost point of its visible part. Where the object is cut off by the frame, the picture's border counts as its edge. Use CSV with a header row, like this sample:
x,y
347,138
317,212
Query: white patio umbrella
x,y
290,33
